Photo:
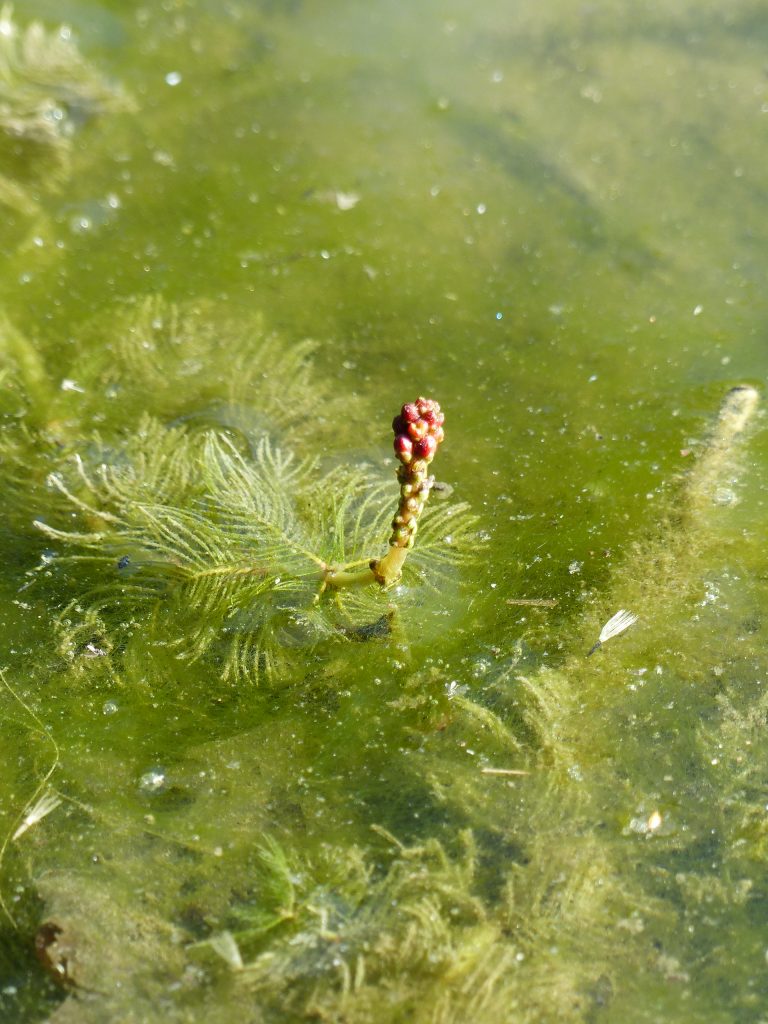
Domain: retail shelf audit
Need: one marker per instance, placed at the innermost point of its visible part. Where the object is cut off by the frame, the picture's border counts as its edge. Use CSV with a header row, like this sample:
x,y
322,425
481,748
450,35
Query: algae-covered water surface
x,y
249,776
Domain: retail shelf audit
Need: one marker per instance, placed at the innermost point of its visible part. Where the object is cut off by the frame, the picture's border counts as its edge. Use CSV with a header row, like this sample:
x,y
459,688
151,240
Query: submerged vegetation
x,y
431,808
244,547
47,90
434,930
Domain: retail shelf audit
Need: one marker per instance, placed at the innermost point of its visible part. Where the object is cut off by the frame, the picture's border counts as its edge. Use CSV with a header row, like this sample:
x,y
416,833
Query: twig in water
x,y
533,602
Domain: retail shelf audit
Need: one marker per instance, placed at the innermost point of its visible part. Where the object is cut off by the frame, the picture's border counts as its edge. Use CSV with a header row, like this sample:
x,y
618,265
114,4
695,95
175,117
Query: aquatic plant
x,y
489,921
46,90
544,868
45,83
200,535
141,350
220,539
251,550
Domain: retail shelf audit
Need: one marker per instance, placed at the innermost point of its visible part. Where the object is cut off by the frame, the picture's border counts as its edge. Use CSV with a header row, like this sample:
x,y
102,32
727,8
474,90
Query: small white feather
x,y
48,802
621,620
616,624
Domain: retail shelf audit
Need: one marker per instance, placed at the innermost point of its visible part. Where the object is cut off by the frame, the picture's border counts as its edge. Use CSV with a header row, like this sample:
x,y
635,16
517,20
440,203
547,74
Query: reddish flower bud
x,y
425,447
403,448
417,429
399,425
410,412
439,434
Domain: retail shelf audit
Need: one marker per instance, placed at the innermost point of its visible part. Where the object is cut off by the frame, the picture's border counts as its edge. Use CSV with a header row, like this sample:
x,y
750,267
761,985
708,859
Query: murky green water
x,y
551,218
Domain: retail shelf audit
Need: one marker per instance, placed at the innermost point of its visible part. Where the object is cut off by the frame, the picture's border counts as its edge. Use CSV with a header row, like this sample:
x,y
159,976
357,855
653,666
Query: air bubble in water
x,y
153,781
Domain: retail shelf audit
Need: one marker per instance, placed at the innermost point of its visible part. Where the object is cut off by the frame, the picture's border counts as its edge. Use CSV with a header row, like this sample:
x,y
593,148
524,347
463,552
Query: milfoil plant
x,y
47,91
227,546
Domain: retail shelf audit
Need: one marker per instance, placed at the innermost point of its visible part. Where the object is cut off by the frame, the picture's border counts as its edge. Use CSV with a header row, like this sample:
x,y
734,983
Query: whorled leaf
x,y
203,367
226,551
46,86
47,89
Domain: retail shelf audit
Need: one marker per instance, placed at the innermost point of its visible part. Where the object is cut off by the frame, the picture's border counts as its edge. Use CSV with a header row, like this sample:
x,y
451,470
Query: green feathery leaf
x,y
173,352
226,553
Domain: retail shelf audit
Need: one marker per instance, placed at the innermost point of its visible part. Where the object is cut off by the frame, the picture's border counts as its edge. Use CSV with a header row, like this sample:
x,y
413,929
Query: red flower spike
x,y
418,432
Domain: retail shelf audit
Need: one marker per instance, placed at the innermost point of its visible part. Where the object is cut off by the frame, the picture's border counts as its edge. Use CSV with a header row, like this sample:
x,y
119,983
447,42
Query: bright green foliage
x,y
210,532
225,549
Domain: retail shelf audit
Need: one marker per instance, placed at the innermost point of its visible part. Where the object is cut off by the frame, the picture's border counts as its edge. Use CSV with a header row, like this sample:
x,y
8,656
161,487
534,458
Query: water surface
x,y
552,218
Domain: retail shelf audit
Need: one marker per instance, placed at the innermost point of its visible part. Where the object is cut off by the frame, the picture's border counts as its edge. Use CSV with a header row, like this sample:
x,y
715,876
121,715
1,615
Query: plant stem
x,y
386,571
347,577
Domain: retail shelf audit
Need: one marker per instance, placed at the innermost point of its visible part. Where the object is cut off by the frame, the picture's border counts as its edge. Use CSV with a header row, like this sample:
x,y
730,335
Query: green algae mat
x,y
296,727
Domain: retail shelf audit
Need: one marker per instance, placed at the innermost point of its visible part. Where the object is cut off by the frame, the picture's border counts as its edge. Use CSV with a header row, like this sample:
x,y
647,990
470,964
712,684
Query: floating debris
x,y
336,197
621,620
153,781
347,200
226,946
648,824
48,802
503,771
92,651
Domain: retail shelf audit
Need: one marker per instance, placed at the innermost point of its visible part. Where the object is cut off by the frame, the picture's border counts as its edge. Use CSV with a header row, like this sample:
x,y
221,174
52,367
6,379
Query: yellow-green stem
x,y
388,570
385,571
